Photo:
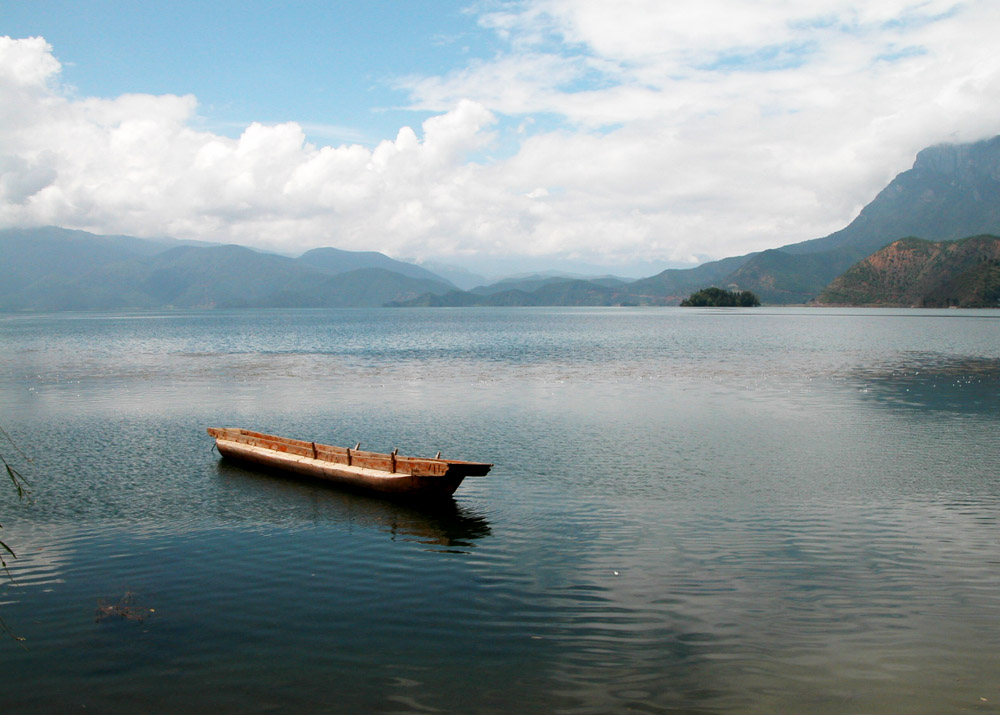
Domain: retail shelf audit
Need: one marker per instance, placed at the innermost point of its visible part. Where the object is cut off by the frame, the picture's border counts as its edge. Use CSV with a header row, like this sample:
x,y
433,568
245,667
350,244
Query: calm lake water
x,y
704,511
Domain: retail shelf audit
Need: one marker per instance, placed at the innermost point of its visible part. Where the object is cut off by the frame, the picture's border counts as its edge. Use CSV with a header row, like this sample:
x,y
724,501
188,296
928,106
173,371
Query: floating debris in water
x,y
125,608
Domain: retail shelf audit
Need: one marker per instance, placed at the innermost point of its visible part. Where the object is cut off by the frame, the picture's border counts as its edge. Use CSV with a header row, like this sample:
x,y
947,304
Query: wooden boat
x,y
374,471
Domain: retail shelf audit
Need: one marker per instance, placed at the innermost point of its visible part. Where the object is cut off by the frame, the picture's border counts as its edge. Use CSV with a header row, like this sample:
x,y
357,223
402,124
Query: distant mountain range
x,y
53,269
912,272
952,191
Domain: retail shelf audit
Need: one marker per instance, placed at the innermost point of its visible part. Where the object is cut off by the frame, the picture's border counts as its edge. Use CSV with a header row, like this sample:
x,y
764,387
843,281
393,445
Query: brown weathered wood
x,y
390,473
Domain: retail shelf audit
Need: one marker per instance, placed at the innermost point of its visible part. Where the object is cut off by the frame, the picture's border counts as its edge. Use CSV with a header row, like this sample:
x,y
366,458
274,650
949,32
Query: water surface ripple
x,y
699,511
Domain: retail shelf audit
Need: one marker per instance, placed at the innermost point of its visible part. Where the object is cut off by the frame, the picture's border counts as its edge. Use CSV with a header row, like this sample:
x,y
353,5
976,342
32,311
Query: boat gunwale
x,y
391,464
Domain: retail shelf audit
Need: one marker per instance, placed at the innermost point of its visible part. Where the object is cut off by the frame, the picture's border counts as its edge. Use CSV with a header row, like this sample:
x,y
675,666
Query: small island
x,y
718,298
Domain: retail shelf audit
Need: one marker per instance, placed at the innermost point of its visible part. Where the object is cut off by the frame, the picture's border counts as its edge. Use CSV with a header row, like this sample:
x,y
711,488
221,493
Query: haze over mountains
x,y
52,269
952,192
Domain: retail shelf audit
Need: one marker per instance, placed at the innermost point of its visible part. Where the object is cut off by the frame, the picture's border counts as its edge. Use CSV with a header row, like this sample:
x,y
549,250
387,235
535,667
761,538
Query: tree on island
x,y
718,298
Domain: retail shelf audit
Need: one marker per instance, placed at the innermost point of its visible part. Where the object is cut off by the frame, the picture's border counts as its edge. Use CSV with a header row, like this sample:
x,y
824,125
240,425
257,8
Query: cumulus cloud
x,y
718,127
603,132
135,165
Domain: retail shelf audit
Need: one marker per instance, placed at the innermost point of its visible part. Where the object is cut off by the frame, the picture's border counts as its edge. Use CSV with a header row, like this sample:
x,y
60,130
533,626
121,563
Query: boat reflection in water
x,y
268,500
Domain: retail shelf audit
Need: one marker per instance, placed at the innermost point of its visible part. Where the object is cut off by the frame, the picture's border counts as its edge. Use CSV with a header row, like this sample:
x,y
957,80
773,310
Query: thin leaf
x,y
20,483
6,629
3,563
13,444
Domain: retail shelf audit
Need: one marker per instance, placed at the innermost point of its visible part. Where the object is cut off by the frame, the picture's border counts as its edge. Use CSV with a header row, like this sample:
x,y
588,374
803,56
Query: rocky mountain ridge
x,y
916,273
952,191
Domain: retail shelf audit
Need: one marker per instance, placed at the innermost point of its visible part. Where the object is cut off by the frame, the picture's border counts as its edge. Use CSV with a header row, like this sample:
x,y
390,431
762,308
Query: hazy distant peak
x,y
982,156
335,261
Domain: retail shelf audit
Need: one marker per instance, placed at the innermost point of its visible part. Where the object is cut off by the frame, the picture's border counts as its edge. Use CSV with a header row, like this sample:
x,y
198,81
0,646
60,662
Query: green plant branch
x,y
22,487
20,483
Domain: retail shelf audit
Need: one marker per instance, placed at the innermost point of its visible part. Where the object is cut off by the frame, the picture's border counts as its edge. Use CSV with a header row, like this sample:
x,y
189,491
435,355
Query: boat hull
x,y
387,474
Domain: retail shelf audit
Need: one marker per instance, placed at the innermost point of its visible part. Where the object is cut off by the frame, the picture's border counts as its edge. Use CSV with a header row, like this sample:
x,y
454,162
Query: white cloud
x,y
605,132
134,165
26,64
731,126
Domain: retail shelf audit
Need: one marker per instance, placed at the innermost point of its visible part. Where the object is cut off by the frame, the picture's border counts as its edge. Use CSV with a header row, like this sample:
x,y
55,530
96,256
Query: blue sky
x,y
567,134
332,66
